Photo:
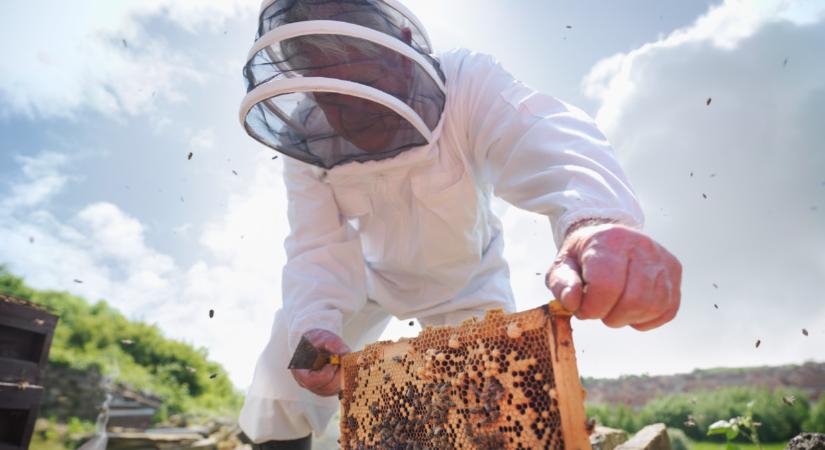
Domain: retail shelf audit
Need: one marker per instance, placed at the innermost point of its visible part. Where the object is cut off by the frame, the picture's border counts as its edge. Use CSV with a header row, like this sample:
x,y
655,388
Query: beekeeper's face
x,y
367,124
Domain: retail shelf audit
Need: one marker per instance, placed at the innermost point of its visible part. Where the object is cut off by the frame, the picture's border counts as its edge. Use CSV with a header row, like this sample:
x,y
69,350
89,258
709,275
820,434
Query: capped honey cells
x,y
508,381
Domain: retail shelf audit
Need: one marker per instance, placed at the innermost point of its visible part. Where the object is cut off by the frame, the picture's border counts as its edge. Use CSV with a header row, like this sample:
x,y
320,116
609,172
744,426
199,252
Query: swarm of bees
x,y
485,384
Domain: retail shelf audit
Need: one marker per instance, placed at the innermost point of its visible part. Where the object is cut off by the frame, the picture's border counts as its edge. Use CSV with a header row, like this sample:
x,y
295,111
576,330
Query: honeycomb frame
x,y
508,381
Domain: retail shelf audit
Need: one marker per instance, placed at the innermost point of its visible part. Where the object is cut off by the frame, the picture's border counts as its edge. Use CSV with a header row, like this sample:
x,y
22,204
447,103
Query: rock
x,y
205,444
651,437
807,441
605,438
144,440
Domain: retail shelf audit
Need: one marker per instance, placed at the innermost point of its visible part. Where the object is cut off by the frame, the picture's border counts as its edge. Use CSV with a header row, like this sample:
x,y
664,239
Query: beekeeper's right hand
x,y
326,381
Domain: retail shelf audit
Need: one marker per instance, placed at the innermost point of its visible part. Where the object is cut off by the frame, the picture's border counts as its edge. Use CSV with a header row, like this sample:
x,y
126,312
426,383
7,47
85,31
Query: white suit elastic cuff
x,y
620,216
330,320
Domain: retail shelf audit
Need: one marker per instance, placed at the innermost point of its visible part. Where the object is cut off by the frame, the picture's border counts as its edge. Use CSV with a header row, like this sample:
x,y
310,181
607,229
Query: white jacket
x,y
415,233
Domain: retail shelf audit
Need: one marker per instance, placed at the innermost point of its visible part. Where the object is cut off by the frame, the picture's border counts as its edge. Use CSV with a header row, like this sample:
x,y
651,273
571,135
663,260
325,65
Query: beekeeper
x,y
393,156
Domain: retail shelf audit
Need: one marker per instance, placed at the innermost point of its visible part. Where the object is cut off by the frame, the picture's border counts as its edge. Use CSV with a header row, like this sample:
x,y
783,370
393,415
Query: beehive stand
x,y
508,381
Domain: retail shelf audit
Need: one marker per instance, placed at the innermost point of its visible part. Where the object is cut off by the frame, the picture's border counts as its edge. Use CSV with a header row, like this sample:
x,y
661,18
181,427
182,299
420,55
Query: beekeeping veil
x,y
329,82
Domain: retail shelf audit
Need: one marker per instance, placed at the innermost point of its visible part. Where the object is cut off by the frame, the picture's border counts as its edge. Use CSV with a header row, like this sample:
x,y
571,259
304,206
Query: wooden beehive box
x,y
26,332
508,381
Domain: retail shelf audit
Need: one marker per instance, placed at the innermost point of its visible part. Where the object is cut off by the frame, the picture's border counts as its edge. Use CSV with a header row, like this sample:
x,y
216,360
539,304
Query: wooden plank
x,y
15,370
569,391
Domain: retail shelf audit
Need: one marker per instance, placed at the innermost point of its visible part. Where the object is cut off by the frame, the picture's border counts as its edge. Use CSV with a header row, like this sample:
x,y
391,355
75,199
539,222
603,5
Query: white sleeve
x,y
324,276
539,153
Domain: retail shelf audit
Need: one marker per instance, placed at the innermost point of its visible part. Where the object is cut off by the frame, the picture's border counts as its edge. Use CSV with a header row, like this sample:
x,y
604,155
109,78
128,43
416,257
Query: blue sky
x,y
101,102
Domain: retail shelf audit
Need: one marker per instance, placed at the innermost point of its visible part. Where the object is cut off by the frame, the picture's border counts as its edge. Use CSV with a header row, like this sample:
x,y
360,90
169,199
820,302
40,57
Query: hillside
x,y
93,341
637,390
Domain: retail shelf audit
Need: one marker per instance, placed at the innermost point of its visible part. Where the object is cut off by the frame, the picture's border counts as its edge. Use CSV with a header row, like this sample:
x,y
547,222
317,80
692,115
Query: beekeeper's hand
x,y
616,274
326,381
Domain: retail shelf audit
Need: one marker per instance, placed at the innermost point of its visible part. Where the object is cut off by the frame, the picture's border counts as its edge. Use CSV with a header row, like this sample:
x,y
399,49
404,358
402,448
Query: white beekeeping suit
x,y
405,228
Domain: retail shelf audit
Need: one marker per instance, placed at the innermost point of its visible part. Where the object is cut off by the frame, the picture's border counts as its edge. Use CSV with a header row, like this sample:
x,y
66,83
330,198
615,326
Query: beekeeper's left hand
x,y
616,274
326,381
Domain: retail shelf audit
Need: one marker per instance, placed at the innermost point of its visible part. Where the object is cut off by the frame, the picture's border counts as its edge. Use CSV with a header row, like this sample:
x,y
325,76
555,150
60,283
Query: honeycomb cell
x,y
484,384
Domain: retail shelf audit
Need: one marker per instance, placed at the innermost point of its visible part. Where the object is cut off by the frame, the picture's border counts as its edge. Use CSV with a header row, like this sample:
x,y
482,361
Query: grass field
x,y
718,446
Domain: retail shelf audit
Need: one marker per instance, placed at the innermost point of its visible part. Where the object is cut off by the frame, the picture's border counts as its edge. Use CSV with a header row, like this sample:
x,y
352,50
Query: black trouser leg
x,y
294,444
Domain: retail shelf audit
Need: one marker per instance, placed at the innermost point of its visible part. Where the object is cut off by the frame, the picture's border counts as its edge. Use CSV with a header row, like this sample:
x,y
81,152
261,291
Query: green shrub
x,y
672,410
779,421
816,418
678,439
614,416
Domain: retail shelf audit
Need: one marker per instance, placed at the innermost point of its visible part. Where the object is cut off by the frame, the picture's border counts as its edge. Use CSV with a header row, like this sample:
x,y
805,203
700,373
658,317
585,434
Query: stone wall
x,y
72,393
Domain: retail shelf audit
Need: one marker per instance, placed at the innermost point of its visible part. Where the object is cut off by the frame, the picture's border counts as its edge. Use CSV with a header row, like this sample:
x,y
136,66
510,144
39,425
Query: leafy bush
x,y
614,416
816,418
779,420
742,427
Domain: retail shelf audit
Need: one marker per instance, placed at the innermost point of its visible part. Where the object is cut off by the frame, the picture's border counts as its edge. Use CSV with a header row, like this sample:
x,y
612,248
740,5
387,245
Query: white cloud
x,y
755,152
98,55
615,80
113,234
194,14
42,180
182,228
200,139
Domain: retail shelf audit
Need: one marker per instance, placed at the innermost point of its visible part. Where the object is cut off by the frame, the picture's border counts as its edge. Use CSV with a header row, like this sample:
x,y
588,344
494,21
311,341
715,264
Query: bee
x,y
590,425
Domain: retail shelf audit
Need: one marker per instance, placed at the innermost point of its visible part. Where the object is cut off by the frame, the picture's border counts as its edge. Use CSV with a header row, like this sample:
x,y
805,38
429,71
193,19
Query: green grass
x,y
721,446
